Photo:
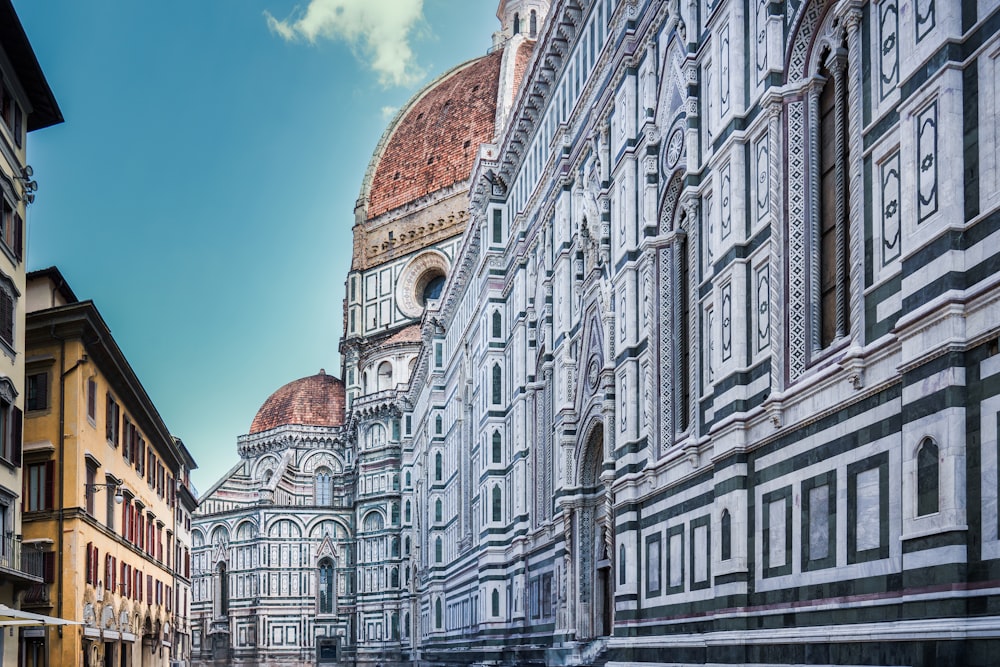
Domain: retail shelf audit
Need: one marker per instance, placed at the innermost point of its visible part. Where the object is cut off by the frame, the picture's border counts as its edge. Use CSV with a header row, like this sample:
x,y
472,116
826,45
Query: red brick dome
x,y
317,400
434,141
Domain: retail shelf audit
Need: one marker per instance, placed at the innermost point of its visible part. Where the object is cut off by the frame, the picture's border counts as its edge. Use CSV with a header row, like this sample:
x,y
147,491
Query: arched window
x,y
222,601
928,478
497,503
834,205
517,24
384,376
495,603
437,613
438,550
438,467
533,24
326,586
497,381
323,487
395,514
497,325
394,578
727,535
621,565
373,522
407,512
497,447
438,510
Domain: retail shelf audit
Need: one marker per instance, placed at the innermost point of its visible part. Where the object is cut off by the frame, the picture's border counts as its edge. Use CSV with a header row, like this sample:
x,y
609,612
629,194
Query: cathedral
x,y
671,337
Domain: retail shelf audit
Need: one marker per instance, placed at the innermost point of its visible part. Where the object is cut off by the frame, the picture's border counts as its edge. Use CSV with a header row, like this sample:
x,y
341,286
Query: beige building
x,y
101,490
26,104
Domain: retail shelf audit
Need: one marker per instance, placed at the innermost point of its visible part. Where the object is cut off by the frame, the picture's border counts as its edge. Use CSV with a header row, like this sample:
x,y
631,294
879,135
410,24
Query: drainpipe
x,y
62,468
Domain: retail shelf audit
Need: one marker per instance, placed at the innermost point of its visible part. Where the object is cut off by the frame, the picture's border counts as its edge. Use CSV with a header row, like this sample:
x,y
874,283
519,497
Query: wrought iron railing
x,y
14,557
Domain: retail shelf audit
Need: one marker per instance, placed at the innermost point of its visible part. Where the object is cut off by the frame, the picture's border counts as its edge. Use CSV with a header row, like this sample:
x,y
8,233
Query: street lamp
x,y
119,494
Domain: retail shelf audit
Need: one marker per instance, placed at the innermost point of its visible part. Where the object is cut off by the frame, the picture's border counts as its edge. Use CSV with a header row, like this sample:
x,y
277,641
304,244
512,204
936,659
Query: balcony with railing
x,y
20,565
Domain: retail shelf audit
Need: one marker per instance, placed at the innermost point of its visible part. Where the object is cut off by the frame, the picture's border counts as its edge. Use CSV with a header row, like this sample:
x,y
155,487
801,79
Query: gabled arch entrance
x,y
594,544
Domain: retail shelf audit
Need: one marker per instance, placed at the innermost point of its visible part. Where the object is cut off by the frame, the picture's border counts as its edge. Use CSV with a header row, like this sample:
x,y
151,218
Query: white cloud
x,y
378,31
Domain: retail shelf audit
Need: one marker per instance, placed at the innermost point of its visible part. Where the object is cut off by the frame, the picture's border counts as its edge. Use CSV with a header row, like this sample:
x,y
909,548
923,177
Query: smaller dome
x,y
317,400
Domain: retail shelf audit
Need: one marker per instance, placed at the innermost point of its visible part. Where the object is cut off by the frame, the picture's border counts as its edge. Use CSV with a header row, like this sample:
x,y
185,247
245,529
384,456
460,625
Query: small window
x,y
497,324
727,535
928,478
38,391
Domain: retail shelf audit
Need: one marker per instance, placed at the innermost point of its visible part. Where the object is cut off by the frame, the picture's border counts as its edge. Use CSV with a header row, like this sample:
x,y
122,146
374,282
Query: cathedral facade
x,y
679,347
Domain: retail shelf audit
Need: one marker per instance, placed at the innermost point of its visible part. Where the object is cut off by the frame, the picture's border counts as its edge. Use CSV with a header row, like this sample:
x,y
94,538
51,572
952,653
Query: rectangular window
x,y
39,483
497,226
38,391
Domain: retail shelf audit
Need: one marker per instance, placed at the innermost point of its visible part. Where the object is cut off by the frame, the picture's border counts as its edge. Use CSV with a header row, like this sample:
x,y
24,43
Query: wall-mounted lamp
x,y
119,494
30,186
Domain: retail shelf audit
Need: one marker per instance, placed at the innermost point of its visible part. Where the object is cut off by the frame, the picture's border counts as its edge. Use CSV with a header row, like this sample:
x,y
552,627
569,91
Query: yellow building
x,y
100,490
26,104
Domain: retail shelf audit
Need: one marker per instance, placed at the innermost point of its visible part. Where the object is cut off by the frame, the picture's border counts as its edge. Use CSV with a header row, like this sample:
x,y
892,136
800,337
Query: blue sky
x,y
202,188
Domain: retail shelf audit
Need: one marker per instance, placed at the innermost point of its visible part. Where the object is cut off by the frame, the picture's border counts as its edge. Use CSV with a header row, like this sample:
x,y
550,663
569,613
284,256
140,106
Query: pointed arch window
x,y
497,447
497,503
833,208
496,385
323,487
326,586
928,478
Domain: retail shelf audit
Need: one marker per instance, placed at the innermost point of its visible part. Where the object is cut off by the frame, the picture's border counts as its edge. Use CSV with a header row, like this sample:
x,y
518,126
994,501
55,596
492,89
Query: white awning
x,y
10,616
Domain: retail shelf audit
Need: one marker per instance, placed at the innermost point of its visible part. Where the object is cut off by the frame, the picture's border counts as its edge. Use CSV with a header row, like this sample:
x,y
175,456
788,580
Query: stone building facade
x,y
711,376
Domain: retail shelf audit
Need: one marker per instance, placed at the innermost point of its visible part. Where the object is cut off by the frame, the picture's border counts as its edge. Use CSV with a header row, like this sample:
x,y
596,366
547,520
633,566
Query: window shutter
x,y
49,485
18,237
49,567
7,317
16,433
